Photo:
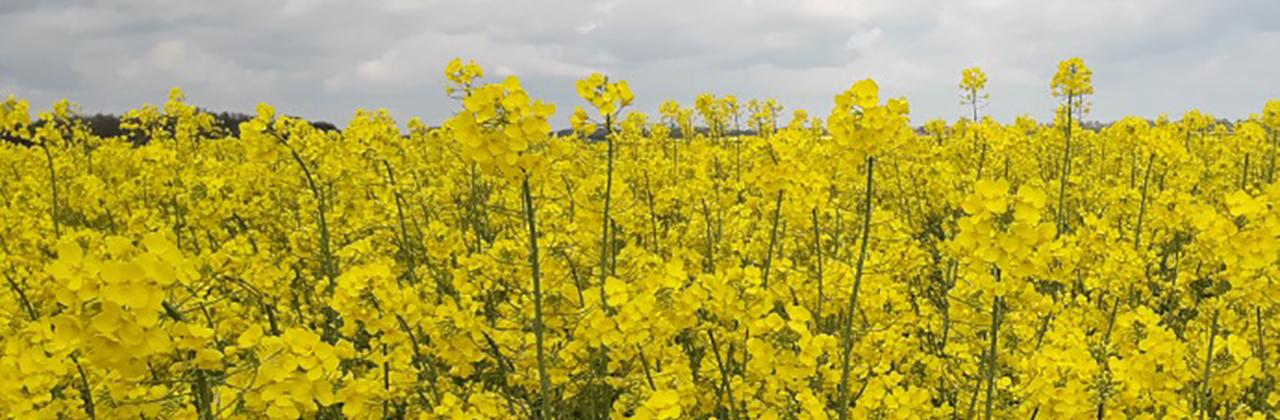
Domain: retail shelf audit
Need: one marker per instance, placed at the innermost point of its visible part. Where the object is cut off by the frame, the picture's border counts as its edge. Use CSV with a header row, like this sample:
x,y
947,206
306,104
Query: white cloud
x,y
863,40
398,71
856,11
297,8
325,58
180,63
586,28
606,7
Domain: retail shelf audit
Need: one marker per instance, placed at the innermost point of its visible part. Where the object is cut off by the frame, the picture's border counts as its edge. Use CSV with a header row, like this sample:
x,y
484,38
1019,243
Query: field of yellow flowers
x,y
844,267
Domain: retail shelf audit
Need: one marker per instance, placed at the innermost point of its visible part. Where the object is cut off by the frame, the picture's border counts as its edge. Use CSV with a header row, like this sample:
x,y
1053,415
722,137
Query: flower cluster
x,y
498,126
864,126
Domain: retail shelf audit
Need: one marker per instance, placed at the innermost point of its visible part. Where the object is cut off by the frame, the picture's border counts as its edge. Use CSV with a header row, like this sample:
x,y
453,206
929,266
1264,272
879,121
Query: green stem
x,y
973,101
982,159
605,243
203,396
973,398
773,240
1106,347
653,213
737,145
1066,170
386,382
202,390
1244,174
817,251
86,393
675,153
645,363
53,184
22,297
328,266
1133,171
853,295
710,264
993,359
1142,209
405,245
724,373
1271,168
1262,345
1206,391
538,327
419,360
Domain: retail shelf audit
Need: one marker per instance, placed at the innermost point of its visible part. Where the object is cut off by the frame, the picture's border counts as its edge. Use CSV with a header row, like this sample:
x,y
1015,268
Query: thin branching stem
x,y
853,294
530,217
1205,390
773,241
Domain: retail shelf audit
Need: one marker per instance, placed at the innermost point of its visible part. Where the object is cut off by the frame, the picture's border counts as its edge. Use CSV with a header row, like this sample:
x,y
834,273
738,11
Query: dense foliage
x,y
840,267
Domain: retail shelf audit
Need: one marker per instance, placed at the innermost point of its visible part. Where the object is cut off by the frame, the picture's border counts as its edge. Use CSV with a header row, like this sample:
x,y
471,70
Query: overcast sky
x,y
323,59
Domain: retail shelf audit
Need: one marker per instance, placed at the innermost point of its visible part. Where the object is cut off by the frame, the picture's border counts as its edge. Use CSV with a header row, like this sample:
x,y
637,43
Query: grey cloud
x,y
324,58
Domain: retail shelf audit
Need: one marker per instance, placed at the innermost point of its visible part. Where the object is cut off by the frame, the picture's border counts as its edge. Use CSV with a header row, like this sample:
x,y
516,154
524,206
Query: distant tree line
x,y
1099,125
675,132
108,125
